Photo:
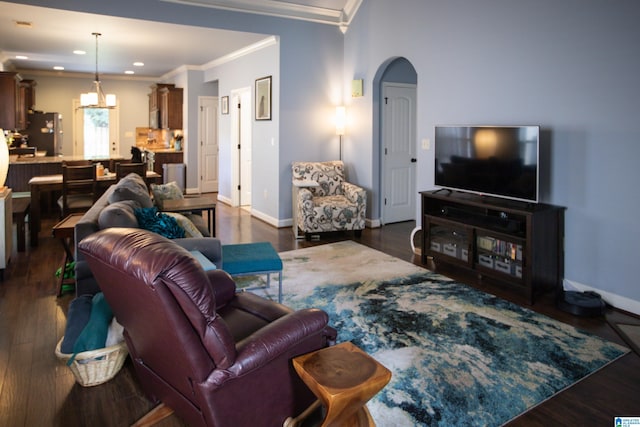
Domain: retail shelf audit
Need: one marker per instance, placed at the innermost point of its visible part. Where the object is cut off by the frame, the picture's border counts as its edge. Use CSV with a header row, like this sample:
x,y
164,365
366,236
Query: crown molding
x,y
341,18
269,41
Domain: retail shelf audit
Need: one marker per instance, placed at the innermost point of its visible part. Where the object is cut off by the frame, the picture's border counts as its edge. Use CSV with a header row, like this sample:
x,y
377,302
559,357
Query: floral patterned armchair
x,y
323,201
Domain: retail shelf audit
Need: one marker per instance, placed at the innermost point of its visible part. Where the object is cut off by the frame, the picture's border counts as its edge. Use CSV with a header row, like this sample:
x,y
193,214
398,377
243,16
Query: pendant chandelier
x,y
96,98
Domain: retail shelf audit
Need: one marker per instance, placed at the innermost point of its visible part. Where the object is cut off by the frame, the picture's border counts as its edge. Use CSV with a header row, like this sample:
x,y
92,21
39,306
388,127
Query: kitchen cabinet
x,y
17,97
154,104
26,101
171,108
162,157
10,118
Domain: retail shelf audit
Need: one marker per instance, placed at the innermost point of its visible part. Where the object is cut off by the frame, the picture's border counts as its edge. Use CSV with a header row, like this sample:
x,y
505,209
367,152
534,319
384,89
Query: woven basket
x,y
96,366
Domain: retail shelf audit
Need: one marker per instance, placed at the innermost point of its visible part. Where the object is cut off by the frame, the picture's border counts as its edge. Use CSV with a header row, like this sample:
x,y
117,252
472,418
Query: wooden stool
x,y
344,378
65,231
21,207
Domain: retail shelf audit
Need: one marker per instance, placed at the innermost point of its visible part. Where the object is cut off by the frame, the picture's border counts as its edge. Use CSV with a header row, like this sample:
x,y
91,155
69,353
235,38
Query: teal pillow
x,y
158,222
94,335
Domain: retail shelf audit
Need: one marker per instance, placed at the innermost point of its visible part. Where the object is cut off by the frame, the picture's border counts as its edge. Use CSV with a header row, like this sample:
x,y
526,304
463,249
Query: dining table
x,y
48,183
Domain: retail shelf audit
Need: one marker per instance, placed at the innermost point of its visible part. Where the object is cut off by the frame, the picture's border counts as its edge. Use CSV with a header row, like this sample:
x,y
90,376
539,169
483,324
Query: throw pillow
x,y
119,214
168,191
190,230
94,334
130,189
77,319
158,222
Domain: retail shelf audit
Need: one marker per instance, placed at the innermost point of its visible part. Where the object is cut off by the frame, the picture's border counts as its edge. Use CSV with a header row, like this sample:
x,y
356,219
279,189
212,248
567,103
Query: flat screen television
x,y
500,161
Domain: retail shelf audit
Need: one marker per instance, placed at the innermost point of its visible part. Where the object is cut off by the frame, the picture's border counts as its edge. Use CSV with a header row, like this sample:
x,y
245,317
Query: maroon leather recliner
x,y
214,356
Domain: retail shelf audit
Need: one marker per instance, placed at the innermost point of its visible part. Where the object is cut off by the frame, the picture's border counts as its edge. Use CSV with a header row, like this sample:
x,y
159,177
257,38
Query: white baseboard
x,y
617,301
372,223
225,200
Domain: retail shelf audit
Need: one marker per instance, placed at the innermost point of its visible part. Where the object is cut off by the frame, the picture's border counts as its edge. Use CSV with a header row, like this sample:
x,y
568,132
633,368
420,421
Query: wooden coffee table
x,y
344,378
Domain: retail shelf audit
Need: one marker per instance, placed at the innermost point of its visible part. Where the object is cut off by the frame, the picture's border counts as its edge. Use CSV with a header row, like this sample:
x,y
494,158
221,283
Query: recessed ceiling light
x,y
79,52
129,72
21,57
138,64
58,68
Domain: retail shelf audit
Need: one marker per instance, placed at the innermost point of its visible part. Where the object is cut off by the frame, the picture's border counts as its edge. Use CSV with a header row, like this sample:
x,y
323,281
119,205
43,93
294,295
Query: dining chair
x,y
77,162
124,169
79,189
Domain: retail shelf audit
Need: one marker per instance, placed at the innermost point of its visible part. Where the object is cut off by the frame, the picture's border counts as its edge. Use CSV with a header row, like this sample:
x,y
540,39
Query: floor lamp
x,y
341,118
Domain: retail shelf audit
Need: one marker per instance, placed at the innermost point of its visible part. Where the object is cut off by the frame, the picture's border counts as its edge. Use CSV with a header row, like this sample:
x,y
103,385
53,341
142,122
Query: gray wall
x,y
570,66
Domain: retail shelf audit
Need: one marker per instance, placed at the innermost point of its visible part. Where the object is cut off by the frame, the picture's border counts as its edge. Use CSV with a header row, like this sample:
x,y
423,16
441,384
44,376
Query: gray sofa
x,y
115,208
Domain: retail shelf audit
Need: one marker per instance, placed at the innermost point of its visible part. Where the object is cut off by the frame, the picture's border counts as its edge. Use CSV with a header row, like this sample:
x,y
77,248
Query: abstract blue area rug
x,y
458,356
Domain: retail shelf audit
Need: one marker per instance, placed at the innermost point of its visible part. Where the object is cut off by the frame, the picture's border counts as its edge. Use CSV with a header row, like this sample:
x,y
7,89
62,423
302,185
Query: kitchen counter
x,y
163,150
22,169
57,159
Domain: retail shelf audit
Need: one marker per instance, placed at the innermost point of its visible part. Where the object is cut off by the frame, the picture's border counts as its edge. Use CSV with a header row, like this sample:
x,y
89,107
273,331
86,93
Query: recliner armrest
x,y
275,339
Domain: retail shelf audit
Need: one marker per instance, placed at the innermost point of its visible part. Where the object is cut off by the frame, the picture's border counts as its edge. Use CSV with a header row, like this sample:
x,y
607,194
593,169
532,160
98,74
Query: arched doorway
x,y
395,142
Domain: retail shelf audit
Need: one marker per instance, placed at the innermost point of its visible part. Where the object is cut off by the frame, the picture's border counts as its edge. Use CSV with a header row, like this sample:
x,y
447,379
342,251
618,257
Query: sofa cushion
x,y
119,214
168,191
158,222
131,188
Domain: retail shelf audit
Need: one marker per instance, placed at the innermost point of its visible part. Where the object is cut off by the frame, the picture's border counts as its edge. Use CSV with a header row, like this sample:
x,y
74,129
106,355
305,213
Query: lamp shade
x,y
341,119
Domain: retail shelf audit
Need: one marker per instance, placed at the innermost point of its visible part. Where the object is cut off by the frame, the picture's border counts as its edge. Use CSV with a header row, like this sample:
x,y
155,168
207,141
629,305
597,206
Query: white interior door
x,y
208,135
90,141
399,152
240,108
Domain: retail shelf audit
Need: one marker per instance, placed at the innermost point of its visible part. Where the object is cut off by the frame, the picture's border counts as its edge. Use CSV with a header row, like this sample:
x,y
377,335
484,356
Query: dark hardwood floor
x,y
37,390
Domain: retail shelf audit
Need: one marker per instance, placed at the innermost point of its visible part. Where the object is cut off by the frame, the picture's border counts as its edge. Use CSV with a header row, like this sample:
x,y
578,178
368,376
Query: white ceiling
x,y
50,40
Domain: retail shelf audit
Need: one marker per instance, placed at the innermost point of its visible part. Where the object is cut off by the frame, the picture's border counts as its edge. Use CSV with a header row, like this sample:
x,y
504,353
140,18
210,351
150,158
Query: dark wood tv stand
x,y
511,242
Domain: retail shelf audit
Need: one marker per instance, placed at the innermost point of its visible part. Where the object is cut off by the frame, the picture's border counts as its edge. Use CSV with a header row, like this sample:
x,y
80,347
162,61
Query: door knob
x,y
414,160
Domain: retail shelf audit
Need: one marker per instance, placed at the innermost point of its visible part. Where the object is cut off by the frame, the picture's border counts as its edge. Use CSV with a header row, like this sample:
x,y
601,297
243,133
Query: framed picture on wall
x,y
224,105
263,98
